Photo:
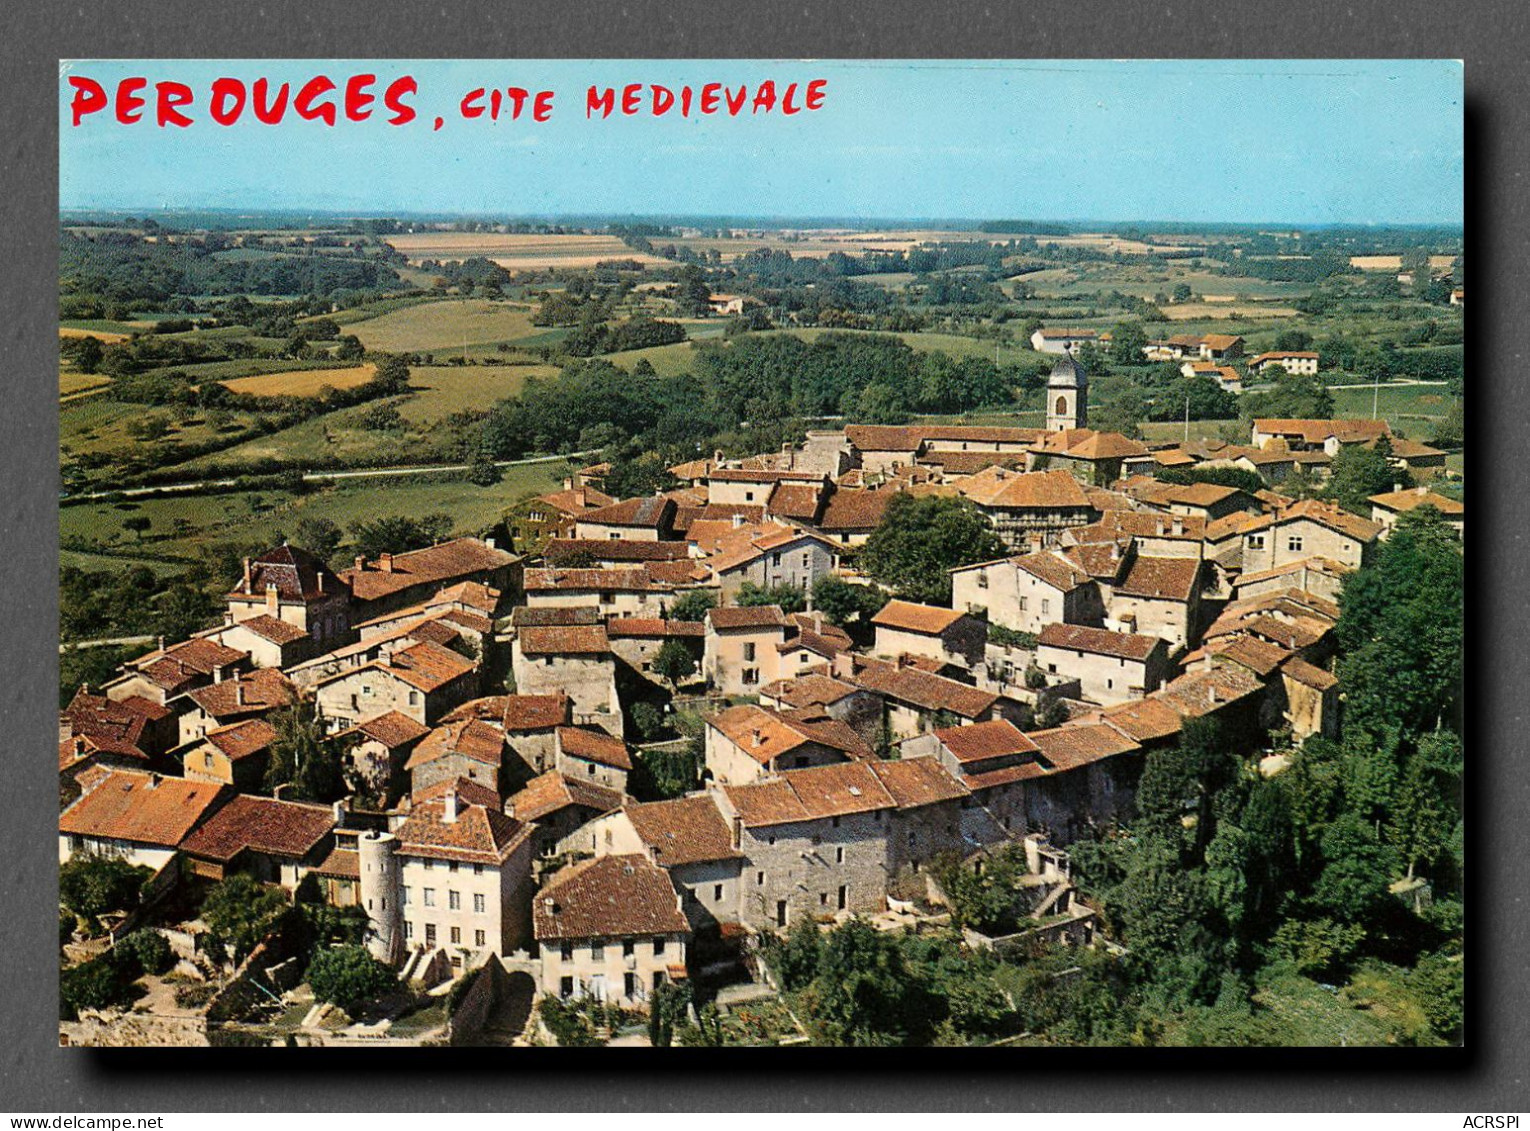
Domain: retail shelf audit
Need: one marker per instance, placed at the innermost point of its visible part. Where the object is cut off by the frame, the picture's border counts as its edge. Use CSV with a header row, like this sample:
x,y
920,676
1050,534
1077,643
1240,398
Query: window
x,y
771,840
751,675
1109,683
749,653
414,698
608,598
807,560
477,869
478,902
759,879
592,769
567,953
454,901
547,661
451,866
565,987
982,579
629,947
430,934
629,984
717,893
1294,543
844,896
406,896
658,947
748,496
823,899
457,936
839,855
408,930
1256,541
597,952
775,559
1046,606
1024,603
911,838
478,938
207,759
614,536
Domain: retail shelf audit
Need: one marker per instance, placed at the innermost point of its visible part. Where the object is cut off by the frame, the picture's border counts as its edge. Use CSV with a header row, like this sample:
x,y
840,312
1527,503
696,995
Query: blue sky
x,y
1308,142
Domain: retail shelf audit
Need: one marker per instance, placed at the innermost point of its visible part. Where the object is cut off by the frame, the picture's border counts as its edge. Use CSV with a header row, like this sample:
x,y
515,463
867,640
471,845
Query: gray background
x,y
36,1075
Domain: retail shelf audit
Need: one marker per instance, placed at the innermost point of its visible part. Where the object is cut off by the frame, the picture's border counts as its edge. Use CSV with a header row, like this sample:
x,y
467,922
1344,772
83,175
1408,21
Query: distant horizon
x,y
1351,143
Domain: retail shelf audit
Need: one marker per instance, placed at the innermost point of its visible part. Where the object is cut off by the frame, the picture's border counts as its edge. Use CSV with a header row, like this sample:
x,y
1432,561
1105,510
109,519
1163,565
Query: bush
x,y
149,949
93,885
692,606
568,1025
1013,638
348,976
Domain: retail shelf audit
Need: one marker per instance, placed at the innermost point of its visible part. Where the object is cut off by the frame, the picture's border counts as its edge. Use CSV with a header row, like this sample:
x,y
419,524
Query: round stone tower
x,y
381,894
1067,395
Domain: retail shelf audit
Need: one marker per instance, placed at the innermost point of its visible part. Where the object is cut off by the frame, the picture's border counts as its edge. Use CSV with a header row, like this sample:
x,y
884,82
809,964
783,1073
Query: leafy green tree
x,y
320,536
674,662
789,598
138,524
1359,472
397,533
864,993
844,603
93,885
150,949
1357,870
302,759
239,913
1318,948
920,539
693,605
88,355
348,976
1297,396
483,472
350,348
1127,341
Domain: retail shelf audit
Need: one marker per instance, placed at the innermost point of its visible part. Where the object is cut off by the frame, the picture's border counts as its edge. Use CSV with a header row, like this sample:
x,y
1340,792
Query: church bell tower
x,y
1067,395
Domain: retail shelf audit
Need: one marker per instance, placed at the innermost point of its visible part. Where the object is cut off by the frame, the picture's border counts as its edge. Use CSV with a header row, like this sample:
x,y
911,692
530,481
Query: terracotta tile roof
x,y
468,791
1258,656
1406,449
473,739
594,746
1220,341
819,727
109,725
576,501
554,616
447,562
1078,744
1106,445
883,438
477,836
391,729
1418,497
535,712
260,824
578,580
980,433
1324,566
1036,490
751,616
916,782
276,631
1004,775
923,690
298,576
474,594
614,550
650,512
1056,570
1143,720
242,739
653,627
1171,579
264,689
798,501
813,690
1141,524
1281,355
548,793
1198,693
138,807
1236,525
1099,641
425,665
762,734
1063,335
837,790
1332,516
981,742
181,664
1309,674
687,830
1318,431
1102,561
581,640
905,616
341,864
608,897
490,707
1172,457
680,573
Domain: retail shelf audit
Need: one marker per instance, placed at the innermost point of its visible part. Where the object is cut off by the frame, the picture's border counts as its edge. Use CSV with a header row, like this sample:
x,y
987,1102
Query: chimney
x,y
1179,525
738,520
449,810
246,575
550,906
717,458
153,782
759,739
1159,524
239,693
160,640
273,598
338,809
489,542
385,562
321,581
568,483
361,564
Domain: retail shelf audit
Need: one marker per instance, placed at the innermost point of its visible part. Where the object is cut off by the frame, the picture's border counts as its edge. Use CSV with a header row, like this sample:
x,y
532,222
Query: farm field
x,y
445,325
105,337
1394,262
441,390
1397,404
73,383
301,382
518,251
188,525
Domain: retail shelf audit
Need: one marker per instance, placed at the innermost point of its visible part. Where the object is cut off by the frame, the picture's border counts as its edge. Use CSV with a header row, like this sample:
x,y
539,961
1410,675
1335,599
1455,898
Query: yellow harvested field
x,y
301,382
105,337
1394,262
448,326
71,384
441,390
525,251
1193,311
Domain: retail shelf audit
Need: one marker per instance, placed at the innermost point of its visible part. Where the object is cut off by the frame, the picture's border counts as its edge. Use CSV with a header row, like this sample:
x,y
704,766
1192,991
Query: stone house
x,y
852,514
1309,529
1388,507
881,448
251,696
468,748
1111,667
161,675
1300,362
560,807
612,592
746,742
649,519
451,877
1026,505
422,682
739,653
592,756
376,751
1092,458
138,817
1061,340
993,761
270,642
612,929
277,842
785,556
235,755
293,586
1158,597
918,701
944,635
396,581
836,698
1028,592
576,662
1326,436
